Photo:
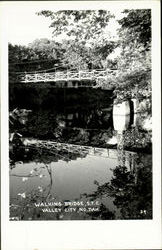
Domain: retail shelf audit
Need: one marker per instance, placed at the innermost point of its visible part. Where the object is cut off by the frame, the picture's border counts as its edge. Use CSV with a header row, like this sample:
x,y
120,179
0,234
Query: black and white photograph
x,y
80,116
80,119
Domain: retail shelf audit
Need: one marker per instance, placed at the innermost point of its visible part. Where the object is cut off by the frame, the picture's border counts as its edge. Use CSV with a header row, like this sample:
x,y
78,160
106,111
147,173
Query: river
x,y
107,176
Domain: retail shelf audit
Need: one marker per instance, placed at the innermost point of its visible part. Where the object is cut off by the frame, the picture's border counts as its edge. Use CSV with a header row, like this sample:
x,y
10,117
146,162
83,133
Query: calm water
x,y
112,179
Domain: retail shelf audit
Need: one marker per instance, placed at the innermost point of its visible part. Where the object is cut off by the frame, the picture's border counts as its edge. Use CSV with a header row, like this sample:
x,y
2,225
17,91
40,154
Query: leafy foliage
x,y
134,62
86,42
137,24
19,53
82,24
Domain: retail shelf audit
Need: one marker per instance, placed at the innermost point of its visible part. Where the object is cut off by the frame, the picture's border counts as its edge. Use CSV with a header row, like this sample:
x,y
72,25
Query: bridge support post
x,y
35,78
135,105
121,108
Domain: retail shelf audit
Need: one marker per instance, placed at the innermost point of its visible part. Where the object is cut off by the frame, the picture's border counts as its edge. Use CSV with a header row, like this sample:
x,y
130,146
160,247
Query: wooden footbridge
x,y
95,77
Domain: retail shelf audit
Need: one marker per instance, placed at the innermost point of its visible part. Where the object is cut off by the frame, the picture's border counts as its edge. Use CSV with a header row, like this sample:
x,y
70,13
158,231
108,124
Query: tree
x,y
41,54
134,62
45,49
75,54
18,57
19,53
82,25
86,43
137,24
85,35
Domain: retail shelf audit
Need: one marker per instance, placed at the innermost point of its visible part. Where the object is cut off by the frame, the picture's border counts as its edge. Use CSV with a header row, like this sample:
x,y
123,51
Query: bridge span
x,y
95,77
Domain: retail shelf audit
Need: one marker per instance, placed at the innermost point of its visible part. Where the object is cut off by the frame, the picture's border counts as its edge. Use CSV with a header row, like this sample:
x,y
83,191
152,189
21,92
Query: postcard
x,y
80,98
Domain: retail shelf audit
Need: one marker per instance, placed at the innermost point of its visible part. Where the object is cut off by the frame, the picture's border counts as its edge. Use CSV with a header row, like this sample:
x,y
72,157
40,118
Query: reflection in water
x,y
132,192
121,122
88,127
62,175
120,149
90,156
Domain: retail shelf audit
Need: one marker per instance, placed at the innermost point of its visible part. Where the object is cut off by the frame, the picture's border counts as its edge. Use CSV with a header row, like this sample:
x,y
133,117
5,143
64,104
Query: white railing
x,y
65,76
73,75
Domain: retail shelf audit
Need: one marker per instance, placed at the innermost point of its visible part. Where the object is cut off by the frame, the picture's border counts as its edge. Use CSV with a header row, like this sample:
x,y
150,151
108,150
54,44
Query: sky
x,y
24,26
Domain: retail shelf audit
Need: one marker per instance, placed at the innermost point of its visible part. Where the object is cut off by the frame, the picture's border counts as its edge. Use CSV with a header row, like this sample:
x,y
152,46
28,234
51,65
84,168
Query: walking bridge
x,y
94,76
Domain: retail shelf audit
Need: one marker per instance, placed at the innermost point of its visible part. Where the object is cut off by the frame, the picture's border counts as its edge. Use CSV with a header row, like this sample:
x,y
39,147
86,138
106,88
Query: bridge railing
x,y
60,76
73,75
100,74
30,77
48,77
86,75
65,76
